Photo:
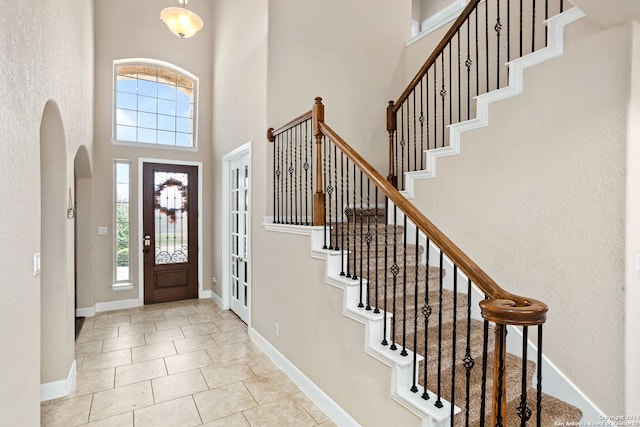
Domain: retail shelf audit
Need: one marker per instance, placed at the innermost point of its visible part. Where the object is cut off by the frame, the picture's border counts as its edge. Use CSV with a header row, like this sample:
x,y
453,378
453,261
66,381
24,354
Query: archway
x,y
84,302
56,352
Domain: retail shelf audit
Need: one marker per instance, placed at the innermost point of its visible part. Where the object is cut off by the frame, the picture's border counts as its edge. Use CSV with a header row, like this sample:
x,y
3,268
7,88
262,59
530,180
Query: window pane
x,y
147,135
126,100
166,92
122,240
166,107
147,120
125,133
127,84
147,88
166,122
125,117
184,110
184,97
147,104
168,138
183,125
122,192
183,140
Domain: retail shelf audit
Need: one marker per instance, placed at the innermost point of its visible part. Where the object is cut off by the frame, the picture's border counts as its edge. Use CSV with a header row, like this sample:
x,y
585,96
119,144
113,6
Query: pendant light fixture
x,y
181,21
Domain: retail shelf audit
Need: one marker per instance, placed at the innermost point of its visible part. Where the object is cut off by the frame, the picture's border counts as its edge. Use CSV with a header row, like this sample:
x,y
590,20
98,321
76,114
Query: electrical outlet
x,y
277,329
214,280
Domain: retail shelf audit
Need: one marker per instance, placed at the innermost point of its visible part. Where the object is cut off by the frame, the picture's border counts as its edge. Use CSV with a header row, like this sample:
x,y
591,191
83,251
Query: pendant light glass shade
x,y
181,21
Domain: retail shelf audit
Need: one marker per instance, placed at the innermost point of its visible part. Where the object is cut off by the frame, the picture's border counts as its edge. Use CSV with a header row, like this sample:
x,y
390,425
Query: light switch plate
x,y
103,230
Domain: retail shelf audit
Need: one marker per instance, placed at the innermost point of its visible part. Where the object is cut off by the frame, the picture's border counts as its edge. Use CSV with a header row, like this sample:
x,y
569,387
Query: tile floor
x,y
187,363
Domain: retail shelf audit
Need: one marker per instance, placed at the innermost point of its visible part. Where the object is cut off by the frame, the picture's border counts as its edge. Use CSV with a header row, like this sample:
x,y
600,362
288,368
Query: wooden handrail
x,y
272,133
501,306
436,53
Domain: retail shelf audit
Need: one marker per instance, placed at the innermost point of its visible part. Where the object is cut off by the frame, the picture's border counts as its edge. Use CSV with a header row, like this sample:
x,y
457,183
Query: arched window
x,y
154,103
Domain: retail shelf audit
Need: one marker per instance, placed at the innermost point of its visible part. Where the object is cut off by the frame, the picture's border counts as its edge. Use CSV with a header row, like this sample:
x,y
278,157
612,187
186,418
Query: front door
x,y
170,232
239,235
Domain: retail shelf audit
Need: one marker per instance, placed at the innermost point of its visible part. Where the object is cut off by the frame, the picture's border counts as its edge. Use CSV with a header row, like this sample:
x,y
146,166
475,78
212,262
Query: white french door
x,y
239,235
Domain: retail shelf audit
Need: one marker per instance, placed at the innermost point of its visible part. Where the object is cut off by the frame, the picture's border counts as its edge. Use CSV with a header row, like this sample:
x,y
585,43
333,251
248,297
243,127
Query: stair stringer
x,y
554,48
401,366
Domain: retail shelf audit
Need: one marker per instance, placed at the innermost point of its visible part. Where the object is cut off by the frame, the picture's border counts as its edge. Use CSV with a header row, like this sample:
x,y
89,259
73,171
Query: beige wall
x,y
126,29
239,110
314,334
47,54
537,199
353,60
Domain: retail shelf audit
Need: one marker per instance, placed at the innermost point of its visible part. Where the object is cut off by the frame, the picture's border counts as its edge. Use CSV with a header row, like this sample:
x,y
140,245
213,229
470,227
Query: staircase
x,y
430,313
410,327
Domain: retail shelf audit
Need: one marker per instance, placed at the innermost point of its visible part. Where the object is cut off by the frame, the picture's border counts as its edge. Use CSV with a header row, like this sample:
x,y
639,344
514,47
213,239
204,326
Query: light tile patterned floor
x,y
186,363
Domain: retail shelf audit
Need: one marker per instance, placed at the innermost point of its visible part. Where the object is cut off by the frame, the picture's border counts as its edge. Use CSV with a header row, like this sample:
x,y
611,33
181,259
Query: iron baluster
x,y
486,41
443,94
347,213
498,28
295,178
453,340
414,376
404,289
275,181
426,312
360,303
324,179
386,246
354,276
368,242
394,271
468,359
421,120
342,216
415,141
376,228
523,410
499,398
539,378
483,395
533,26
336,246
402,142
438,403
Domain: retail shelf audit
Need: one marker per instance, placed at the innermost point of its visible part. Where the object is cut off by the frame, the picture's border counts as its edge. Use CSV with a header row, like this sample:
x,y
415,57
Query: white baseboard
x,y
86,312
320,398
205,294
56,389
218,300
116,305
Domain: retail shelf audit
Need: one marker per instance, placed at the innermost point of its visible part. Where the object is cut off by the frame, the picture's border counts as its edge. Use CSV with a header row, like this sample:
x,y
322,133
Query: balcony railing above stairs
x,y
470,60
401,260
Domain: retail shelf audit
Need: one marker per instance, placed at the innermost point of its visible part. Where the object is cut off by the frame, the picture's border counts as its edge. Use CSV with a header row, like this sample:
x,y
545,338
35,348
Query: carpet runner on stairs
x,y
364,238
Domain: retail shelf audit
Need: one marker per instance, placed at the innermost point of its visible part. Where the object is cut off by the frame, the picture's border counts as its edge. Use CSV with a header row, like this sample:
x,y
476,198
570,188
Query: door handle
x,y
146,243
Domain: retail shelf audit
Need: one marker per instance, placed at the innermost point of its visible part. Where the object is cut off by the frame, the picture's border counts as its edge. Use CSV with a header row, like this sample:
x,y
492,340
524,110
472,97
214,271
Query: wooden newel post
x,y
391,128
499,412
317,117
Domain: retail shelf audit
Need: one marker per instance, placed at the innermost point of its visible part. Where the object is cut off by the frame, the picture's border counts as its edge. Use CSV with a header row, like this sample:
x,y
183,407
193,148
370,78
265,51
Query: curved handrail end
x,y
524,312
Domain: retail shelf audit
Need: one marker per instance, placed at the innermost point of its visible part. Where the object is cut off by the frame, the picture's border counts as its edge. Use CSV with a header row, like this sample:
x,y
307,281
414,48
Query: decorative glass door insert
x,y
171,204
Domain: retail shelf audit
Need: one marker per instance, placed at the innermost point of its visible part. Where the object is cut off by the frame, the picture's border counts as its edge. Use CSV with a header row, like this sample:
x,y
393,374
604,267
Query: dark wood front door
x,y
170,232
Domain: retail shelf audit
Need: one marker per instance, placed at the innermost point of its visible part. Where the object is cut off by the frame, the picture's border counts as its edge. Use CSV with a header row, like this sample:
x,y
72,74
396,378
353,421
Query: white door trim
x,y
226,252
141,161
